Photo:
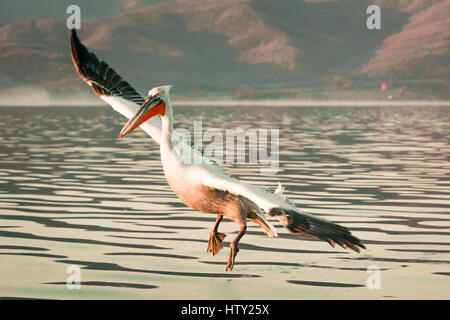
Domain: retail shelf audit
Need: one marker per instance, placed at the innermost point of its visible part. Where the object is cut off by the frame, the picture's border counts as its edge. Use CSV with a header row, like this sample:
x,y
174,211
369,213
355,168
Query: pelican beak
x,y
151,107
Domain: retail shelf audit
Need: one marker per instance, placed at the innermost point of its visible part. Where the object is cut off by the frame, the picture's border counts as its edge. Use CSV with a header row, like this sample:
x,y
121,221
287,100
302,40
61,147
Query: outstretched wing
x,y
105,82
109,86
295,220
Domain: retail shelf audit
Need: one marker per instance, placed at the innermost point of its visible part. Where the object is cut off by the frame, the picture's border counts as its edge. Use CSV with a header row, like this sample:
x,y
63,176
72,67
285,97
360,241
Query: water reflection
x,y
71,192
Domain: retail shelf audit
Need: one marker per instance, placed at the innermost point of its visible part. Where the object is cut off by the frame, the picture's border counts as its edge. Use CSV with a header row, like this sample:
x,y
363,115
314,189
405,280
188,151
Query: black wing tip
x,y
355,244
81,55
350,241
75,46
345,240
103,80
340,235
74,36
325,230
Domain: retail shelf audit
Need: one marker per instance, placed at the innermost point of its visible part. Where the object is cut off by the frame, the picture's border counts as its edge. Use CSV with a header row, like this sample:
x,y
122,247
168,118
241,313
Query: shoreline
x,y
260,103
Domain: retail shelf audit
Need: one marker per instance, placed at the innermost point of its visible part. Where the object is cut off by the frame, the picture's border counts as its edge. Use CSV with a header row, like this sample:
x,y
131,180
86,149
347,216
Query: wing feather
x,y
307,225
110,87
293,219
99,75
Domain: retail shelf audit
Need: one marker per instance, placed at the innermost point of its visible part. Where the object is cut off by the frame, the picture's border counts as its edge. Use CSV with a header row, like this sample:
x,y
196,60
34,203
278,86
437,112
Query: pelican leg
x,y
234,247
216,238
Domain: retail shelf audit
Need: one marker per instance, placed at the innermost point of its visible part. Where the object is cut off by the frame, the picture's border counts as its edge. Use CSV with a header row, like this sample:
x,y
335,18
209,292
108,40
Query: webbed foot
x,y
215,242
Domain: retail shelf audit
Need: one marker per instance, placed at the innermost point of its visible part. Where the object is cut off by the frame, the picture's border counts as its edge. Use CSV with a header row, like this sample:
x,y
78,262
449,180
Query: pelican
x,y
206,186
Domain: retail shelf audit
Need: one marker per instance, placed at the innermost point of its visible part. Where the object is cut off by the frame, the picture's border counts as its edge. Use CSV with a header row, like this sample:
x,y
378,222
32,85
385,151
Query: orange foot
x,y
215,242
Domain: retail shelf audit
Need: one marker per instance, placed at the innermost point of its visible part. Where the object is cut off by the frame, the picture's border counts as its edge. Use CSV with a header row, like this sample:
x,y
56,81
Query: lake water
x,y
72,193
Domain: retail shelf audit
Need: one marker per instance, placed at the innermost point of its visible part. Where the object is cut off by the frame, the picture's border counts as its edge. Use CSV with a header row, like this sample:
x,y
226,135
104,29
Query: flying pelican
x,y
205,187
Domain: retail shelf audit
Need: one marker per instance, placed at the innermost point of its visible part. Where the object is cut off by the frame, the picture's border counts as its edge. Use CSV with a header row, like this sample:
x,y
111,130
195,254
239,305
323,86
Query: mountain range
x,y
235,48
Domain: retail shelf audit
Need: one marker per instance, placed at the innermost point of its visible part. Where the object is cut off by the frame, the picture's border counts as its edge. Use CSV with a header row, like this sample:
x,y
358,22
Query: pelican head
x,y
161,91
157,103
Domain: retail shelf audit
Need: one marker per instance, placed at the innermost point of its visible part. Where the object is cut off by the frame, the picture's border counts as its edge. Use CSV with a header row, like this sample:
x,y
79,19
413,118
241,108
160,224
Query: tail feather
x,y
303,224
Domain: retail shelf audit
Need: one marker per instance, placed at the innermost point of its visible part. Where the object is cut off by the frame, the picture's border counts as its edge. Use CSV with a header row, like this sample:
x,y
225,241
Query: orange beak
x,y
151,107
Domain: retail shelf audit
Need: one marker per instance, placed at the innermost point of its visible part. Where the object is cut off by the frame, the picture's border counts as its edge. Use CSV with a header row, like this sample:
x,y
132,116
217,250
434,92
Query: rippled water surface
x,y
72,193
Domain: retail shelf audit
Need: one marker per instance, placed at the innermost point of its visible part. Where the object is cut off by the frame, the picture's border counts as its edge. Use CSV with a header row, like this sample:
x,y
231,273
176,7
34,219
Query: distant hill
x,y
423,39
230,47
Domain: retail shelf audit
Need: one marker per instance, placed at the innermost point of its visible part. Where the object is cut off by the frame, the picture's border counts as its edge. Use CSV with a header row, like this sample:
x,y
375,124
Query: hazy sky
x,y
11,10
